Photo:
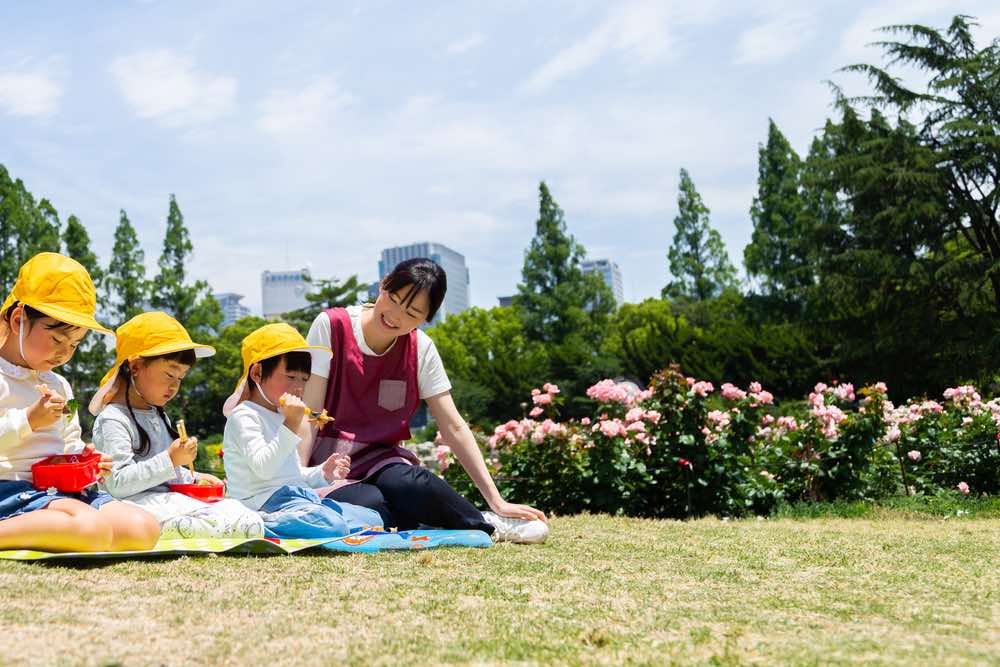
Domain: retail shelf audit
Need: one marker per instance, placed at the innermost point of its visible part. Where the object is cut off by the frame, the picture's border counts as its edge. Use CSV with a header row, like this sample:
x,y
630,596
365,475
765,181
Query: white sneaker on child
x,y
518,531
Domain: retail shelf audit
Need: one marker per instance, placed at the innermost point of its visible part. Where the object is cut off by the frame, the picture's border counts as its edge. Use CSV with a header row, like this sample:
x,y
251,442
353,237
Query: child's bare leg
x,y
132,528
65,525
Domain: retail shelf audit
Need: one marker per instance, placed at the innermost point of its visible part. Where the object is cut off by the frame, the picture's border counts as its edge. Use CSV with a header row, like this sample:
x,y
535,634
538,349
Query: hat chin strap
x,y
262,394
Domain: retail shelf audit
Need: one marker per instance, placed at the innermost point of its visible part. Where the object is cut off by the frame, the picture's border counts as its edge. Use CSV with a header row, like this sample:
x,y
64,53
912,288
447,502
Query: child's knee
x,y
93,531
134,528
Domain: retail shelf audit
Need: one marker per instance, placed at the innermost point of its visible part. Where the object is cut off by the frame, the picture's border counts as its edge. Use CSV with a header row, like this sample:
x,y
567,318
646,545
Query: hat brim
x,y
111,377
319,354
70,317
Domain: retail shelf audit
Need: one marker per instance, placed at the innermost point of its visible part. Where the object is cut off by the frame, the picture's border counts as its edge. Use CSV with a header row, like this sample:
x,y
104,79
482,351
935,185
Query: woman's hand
x,y
336,467
514,511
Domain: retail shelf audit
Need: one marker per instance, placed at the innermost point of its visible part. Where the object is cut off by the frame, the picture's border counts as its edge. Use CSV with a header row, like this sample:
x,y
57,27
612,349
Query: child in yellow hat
x,y
265,417
153,354
46,316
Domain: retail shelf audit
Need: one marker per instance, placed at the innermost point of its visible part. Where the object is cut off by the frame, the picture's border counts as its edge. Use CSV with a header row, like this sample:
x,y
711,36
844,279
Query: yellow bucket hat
x,y
59,287
146,335
269,341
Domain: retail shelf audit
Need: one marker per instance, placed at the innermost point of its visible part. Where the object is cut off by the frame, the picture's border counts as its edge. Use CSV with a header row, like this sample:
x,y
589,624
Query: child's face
x,y
45,345
281,381
395,316
158,380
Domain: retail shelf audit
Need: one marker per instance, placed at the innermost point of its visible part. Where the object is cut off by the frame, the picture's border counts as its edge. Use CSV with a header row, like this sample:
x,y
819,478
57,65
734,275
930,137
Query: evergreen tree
x,y
192,305
330,293
699,262
125,284
775,252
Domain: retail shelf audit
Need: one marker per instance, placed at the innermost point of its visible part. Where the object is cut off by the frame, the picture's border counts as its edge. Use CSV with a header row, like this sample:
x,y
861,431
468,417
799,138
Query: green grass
x,y
604,590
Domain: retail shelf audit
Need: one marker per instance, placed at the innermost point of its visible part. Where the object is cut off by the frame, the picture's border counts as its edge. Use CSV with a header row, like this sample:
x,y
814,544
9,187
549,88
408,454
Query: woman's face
x,y
397,314
157,380
45,344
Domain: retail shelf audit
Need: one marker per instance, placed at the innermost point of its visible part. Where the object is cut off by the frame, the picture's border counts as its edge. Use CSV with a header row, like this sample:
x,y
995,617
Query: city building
x,y
232,309
457,298
505,301
284,291
611,274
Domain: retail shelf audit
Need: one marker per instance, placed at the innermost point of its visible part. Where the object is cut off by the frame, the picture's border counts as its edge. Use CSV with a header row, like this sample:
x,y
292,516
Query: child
x,y
265,414
382,367
154,353
46,316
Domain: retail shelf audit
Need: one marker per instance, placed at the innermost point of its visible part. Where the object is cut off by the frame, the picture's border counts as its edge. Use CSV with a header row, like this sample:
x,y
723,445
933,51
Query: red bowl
x,y
207,493
69,473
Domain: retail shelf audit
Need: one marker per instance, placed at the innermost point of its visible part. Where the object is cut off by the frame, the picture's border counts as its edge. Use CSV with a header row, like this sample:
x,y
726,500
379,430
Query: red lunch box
x,y
207,493
69,473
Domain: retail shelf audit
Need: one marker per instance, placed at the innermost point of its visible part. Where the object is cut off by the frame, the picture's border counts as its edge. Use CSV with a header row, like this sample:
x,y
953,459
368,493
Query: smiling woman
x,y
382,367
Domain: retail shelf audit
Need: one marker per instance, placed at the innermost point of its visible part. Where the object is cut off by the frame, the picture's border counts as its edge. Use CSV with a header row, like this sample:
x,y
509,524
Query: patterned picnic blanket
x,y
369,541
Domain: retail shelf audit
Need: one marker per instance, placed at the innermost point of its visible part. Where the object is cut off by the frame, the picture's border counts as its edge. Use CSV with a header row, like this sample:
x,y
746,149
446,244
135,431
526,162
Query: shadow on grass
x,y
943,506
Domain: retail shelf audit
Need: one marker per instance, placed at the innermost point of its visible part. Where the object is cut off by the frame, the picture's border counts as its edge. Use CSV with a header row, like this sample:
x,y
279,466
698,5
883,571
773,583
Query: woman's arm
x,y
456,434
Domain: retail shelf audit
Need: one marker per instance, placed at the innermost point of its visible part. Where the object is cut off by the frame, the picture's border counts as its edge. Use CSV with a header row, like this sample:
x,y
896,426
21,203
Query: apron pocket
x,y
391,394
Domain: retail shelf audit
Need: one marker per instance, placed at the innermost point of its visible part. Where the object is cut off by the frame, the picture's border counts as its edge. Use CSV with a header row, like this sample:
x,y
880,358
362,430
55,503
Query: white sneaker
x,y
518,531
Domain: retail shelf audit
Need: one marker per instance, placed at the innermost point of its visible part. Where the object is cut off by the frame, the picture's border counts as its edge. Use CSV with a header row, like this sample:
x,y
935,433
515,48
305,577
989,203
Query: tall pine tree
x,y
776,252
192,305
125,285
699,262
561,306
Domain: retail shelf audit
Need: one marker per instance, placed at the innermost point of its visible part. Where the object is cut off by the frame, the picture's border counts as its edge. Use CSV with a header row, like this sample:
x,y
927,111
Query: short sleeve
x,y
319,334
432,379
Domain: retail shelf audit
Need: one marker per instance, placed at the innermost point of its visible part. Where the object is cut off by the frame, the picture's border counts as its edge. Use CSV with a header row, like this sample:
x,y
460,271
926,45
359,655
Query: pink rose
x,y
542,399
964,488
551,388
535,411
914,455
585,421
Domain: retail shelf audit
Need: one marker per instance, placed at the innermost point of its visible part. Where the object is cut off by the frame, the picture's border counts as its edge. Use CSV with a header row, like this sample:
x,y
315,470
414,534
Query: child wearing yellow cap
x,y
265,415
42,321
153,354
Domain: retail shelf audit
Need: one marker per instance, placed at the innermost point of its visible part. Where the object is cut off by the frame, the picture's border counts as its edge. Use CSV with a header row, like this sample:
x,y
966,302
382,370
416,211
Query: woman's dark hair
x,y
299,360
423,274
35,315
184,357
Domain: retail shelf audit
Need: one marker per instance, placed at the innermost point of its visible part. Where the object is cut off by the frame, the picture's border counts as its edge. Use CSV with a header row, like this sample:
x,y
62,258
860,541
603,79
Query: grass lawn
x,y
896,587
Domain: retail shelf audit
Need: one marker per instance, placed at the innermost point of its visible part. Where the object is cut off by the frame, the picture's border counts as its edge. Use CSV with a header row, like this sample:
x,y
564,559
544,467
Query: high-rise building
x,y
232,309
611,274
505,301
457,298
284,291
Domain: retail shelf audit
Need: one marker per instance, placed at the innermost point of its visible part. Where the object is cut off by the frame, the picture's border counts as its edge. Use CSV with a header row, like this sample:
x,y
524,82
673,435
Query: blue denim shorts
x,y
18,498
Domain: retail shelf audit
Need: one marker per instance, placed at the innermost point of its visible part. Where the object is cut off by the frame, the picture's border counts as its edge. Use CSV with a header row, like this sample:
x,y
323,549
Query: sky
x,y
317,133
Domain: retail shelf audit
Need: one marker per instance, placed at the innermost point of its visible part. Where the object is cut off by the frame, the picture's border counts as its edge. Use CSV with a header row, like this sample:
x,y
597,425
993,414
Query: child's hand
x,y
104,466
47,410
294,410
183,452
205,478
336,467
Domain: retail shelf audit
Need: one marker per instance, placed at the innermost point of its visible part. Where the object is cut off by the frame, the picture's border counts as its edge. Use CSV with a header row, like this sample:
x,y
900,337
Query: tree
x,y
491,362
961,110
330,293
125,283
699,262
562,307
94,356
775,252
192,305
26,228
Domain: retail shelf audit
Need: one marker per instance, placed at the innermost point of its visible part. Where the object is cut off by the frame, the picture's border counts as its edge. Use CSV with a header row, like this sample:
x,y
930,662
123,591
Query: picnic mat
x,y
368,541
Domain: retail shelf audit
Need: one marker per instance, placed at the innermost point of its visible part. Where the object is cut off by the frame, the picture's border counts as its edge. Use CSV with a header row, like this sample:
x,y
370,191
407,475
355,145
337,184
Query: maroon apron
x,y
371,399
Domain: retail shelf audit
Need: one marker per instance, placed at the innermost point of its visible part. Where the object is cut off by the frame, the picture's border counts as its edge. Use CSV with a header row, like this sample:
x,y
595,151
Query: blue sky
x,y
318,133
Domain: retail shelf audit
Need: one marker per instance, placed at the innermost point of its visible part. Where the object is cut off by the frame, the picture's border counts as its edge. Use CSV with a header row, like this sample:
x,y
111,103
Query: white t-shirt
x,y
431,376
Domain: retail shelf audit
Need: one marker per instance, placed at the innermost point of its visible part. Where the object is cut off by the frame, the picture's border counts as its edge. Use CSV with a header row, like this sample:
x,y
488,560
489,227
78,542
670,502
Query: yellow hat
x,y
269,341
59,287
146,335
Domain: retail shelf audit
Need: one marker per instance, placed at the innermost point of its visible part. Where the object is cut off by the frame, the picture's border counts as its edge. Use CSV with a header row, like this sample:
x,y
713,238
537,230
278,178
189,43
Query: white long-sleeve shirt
x,y
20,446
115,433
261,455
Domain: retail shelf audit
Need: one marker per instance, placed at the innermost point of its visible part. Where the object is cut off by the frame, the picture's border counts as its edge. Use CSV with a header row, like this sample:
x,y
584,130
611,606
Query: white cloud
x,y
165,86
29,93
466,44
304,112
638,30
772,41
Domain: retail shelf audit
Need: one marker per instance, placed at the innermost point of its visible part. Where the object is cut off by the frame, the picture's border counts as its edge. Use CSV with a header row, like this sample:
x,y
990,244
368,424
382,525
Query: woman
x,y
382,367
